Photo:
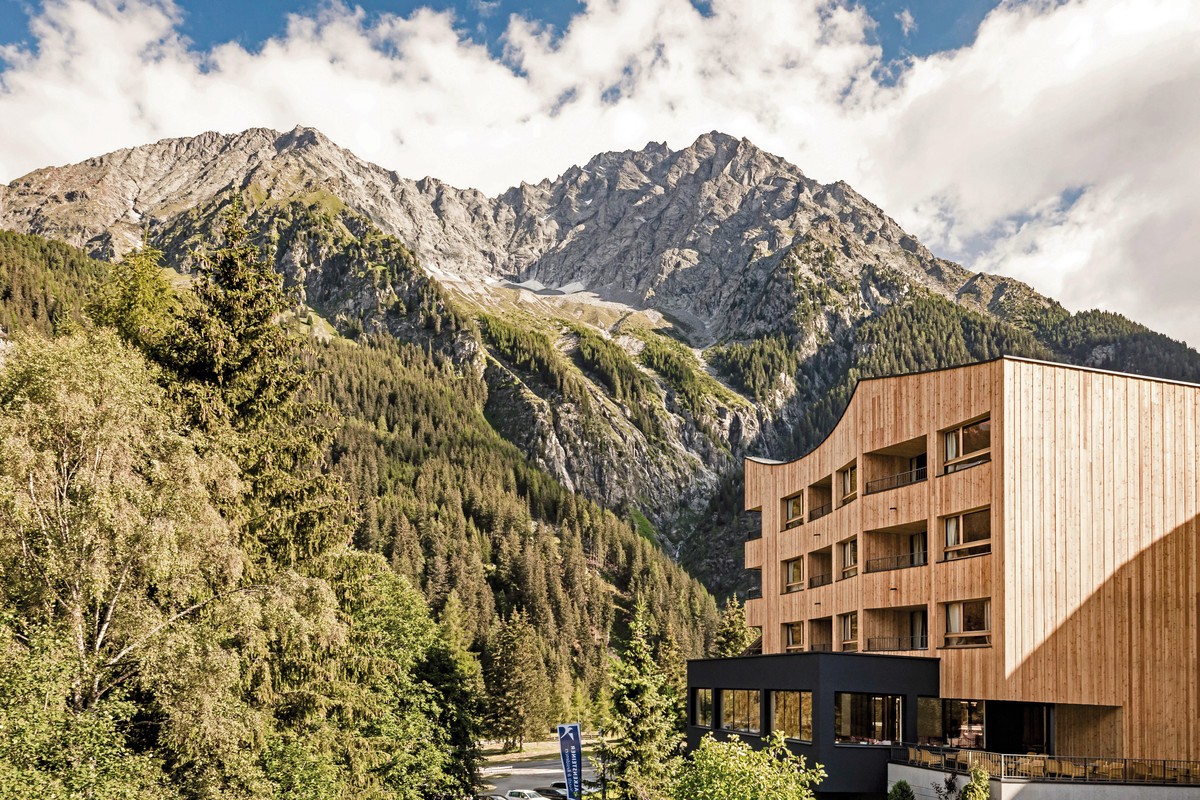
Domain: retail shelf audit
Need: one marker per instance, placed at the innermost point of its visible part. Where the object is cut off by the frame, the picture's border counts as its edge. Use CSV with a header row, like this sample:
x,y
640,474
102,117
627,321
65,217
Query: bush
x,y
901,791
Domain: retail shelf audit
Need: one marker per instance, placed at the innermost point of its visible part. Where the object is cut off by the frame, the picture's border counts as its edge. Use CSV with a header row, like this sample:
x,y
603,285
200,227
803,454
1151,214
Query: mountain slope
x,y
641,322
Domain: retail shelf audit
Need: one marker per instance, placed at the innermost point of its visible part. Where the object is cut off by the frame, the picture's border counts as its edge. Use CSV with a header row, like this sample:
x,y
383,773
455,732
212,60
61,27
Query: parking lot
x,y
538,766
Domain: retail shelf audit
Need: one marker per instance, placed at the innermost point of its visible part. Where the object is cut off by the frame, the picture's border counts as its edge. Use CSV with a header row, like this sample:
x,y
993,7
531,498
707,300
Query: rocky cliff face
x,y
662,253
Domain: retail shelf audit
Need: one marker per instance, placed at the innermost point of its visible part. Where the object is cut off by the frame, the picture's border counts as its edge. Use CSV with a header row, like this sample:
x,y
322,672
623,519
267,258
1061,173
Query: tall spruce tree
x,y
733,637
518,689
242,379
640,738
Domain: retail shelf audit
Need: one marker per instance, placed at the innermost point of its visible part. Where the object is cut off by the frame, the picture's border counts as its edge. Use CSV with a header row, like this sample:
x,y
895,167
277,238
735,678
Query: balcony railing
x,y
754,534
793,523
896,481
1058,769
754,593
884,644
902,561
820,580
821,647
819,511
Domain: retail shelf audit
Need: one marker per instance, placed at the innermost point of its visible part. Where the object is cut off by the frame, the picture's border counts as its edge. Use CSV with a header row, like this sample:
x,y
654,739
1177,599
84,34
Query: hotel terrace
x,y
995,564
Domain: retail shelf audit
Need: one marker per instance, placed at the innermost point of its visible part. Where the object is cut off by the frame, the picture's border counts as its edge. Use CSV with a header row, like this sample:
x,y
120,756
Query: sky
x,y
1054,141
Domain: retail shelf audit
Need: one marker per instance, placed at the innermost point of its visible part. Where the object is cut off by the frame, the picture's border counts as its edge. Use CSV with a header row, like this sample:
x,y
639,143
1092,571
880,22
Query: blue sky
x,y
939,24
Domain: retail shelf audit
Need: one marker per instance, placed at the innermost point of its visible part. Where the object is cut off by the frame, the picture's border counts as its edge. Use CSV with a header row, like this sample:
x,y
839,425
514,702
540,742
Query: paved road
x,y
499,777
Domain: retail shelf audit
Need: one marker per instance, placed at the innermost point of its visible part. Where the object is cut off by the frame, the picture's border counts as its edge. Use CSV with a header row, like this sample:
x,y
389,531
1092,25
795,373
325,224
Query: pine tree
x,y
518,691
640,738
242,377
674,671
136,299
733,637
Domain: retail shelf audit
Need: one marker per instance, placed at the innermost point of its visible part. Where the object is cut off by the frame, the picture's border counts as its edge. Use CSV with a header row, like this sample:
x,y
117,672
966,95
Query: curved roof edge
x,y
813,449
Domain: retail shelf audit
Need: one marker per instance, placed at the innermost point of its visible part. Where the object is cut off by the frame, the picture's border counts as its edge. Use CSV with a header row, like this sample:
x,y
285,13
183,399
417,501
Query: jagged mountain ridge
x,y
717,244
698,233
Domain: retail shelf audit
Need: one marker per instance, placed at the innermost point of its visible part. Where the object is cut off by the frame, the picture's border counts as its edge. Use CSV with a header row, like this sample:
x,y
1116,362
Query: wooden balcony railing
x,y
896,481
1060,769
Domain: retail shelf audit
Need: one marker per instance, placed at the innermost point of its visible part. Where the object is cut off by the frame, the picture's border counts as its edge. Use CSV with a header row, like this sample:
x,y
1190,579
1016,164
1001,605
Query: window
x,y
918,626
968,534
951,723
793,575
866,718
793,511
849,482
791,712
969,623
849,558
849,631
917,549
968,445
740,711
702,708
793,636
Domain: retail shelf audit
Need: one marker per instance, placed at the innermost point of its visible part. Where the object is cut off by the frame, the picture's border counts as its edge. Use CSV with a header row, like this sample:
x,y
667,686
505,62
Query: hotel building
x,y
996,564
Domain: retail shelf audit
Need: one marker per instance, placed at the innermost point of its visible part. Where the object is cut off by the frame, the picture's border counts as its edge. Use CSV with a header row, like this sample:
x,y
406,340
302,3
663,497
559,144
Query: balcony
x,y
896,481
902,561
887,644
819,511
1053,769
820,580
754,593
821,647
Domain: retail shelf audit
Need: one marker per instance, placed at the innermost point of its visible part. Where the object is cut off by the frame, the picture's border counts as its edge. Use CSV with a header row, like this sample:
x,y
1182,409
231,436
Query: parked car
x,y
525,794
552,793
589,787
489,797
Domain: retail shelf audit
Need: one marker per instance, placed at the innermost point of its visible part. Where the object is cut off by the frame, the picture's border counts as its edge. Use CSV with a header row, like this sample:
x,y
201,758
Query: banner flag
x,y
570,746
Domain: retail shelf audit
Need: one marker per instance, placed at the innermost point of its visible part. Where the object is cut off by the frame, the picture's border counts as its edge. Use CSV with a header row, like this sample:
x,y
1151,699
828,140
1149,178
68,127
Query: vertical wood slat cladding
x,y
1100,486
1094,575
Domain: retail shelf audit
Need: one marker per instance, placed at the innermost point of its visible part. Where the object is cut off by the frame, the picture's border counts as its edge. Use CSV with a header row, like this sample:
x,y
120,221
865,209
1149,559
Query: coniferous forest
x,y
239,562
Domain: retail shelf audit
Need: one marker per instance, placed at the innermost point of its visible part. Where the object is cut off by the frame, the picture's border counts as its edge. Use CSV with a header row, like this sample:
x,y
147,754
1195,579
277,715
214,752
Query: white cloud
x,y
970,150
908,23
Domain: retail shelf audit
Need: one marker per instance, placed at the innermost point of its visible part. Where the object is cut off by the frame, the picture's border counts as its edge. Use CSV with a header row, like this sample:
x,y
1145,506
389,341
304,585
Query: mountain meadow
x,y
312,477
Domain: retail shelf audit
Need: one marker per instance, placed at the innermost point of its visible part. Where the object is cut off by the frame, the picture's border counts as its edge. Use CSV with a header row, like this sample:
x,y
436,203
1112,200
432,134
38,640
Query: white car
x,y
525,794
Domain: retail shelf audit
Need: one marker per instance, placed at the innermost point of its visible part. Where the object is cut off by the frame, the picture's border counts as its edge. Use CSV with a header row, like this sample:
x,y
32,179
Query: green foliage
x,y
41,282
241,377
627,384
460,511
1110,341
136,299
532,350
694,389
978,787
901,791
719,770
519,692
759,368
733,637
640,735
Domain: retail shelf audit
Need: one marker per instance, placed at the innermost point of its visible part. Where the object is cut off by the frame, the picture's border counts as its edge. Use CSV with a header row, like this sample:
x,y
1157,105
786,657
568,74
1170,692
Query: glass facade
x,y
741,711
791,712
867,718
951,723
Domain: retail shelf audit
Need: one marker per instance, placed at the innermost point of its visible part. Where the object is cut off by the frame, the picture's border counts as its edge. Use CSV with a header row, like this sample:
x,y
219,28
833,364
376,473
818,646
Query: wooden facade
x,y
1089,484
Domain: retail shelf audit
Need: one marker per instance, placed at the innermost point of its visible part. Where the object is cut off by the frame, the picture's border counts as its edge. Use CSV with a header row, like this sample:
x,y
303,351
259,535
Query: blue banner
x,y
570,746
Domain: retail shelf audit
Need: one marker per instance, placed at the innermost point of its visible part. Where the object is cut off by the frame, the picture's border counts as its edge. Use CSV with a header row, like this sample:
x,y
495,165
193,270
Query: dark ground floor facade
x,y
847,711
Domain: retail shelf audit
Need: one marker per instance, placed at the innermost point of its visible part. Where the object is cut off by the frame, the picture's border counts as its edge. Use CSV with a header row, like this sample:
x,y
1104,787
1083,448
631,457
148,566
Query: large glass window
x,y
791,712
850,631
952,723
969,623
793,635
968,534
793,510
793,575
702,708
740,711
867,718
968,445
